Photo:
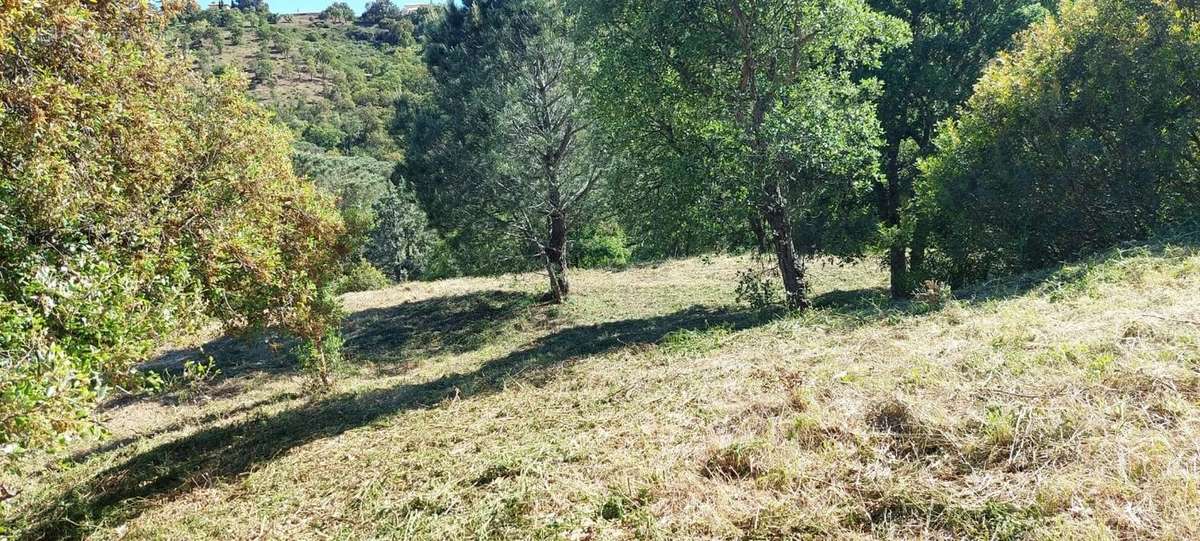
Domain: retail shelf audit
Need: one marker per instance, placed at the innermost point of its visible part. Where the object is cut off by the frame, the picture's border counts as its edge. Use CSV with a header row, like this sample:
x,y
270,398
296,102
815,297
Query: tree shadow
x,y
394,335
443,325
870,305
218,453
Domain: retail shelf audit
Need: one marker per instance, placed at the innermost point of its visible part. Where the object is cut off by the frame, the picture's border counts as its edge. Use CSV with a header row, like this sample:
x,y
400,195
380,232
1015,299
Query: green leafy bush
x,y
137,202
1085,136
602,246
363,276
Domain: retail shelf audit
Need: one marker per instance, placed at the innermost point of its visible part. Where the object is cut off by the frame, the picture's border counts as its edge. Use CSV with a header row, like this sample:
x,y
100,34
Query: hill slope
x,y
1061,405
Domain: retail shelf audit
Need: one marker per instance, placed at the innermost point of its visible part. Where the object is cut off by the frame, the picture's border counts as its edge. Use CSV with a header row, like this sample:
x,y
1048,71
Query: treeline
x,y
954,140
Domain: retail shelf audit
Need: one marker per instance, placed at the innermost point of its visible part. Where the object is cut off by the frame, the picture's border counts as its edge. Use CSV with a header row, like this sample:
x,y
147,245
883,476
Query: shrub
x,y
759,288
1083,137
137,202
363,276
603,246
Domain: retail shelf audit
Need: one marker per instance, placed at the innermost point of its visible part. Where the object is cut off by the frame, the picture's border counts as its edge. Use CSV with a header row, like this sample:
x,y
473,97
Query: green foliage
x,y
747,118
387,226
187,384
1086,135
338,12
322,358
758,288
400,241
137,202
362,276
603,245
503,158
923,84
379,11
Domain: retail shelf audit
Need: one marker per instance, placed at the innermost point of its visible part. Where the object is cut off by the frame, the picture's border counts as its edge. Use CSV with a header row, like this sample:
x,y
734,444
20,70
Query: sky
x,y
305,6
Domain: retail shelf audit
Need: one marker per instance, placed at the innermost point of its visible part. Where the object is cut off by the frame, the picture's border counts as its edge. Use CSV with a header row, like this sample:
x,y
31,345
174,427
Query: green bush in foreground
x,y
1085,136
135,203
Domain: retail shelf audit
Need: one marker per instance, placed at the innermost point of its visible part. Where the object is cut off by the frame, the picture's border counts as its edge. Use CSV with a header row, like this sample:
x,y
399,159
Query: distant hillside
x,y
335,83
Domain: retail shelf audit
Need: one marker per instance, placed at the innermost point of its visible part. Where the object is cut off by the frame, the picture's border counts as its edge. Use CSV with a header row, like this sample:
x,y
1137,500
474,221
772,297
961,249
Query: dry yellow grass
x,y
1059,406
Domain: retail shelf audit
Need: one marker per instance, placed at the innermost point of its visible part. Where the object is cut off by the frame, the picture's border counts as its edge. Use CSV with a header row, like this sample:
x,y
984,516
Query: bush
x,y
137,203
1083,137
759,288
362,276
602,246
400,241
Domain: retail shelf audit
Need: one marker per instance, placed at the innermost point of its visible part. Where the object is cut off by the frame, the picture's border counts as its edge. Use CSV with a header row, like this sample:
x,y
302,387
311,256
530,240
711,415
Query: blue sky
x,y
304,6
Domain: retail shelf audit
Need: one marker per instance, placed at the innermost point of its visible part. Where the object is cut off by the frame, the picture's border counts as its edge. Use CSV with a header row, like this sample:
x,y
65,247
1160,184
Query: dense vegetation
x,y
136,202
953,142
1084,136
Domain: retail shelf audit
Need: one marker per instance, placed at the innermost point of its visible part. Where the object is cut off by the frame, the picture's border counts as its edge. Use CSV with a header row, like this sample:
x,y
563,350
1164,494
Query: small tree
x,y
264,70
378,11
505,158
751,100
338,12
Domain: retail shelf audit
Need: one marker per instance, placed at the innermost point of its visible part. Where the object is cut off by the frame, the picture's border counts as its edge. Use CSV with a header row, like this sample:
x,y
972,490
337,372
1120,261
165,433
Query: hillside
x,y
335,83
1059,405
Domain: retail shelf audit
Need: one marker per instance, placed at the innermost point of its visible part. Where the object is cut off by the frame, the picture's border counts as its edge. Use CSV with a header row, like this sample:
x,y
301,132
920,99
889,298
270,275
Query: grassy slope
x,y
1063,405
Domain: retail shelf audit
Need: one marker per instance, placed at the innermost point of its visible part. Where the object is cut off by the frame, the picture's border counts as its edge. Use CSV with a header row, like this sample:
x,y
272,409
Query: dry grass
x,y
1060,406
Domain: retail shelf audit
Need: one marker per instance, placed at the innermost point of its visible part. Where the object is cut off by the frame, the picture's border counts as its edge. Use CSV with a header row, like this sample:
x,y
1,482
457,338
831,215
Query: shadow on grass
x,y
1064,281
392,335
443,325
172,469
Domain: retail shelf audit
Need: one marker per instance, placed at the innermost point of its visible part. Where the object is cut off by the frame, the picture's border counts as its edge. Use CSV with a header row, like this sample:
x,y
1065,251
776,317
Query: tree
x,y
338,12
264,70
379,11
504,160
400,241
1086,135
137,202
751,101
259,6
395,236
236,34
923,84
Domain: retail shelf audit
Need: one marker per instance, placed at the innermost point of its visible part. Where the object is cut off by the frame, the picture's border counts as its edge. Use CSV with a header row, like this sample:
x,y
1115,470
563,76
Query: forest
x,y
600,269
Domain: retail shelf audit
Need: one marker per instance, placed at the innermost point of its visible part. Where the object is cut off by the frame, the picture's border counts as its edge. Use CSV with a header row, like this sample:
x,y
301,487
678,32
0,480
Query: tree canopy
x,y
752,103
1084,136
136,201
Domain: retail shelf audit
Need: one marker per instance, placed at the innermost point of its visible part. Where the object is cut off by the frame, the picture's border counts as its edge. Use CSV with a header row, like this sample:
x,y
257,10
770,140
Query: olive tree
x,y
759,94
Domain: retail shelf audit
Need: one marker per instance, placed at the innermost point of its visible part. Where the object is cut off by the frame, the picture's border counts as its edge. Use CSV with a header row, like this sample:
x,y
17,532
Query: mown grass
x,y
1061,405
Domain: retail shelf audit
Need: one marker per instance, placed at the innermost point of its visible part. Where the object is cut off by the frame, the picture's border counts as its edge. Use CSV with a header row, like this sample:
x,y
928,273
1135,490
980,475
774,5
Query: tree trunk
x,y
760,234
917,263
556,258
791,267
889,213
